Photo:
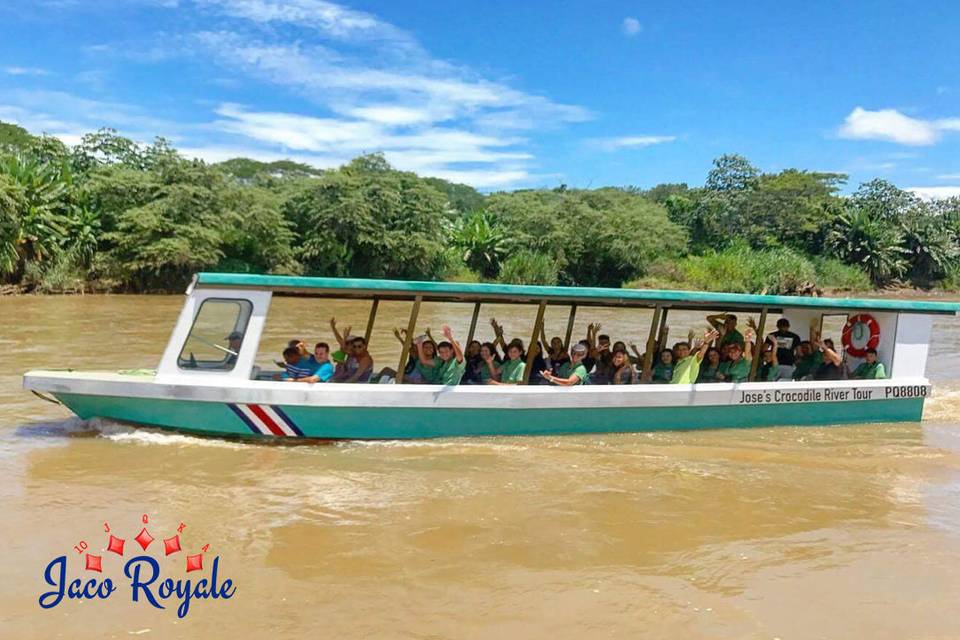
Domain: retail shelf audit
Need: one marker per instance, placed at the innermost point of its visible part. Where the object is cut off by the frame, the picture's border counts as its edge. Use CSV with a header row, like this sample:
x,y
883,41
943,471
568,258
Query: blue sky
x,y
503,94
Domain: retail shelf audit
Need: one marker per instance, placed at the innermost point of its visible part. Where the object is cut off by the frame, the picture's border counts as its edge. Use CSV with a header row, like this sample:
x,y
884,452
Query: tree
x,y
600,237
261,239
481,242
177,231
367,219
861,238
732,172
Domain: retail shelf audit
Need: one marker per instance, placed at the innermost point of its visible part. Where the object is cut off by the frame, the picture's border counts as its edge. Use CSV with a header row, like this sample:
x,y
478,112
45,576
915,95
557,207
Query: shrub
x,y
833,274
526,267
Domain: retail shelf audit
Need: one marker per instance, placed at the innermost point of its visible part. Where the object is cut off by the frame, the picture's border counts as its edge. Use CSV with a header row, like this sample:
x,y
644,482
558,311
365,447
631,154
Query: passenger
x,y
428,364
320,361
453,363
572,373
737,368
726,324
557,355
291,357
604,357
831,366
511,371
769,369
620,345
342,340
474,363
359,364
539,364
710,367
787,342
687,368
623,371
870,368
491,364
589,362
663,370
808,360
410,375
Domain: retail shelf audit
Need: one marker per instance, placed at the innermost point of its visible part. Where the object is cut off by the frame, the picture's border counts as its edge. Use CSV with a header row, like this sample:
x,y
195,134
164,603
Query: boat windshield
x,y
216,335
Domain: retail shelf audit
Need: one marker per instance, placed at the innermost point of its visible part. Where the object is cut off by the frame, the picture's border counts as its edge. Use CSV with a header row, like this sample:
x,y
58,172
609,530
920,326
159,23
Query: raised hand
x,y
333,323
447,332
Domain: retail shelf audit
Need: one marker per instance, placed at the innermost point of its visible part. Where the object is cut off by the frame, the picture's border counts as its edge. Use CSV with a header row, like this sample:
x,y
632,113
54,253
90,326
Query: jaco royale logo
x,y
142,572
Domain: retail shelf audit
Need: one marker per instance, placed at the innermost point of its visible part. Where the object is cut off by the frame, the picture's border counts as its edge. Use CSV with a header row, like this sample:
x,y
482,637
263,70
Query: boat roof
x,y
584,296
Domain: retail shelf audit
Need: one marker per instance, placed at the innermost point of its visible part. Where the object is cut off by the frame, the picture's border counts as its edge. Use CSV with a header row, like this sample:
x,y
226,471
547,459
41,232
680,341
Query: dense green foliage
x,y
114,214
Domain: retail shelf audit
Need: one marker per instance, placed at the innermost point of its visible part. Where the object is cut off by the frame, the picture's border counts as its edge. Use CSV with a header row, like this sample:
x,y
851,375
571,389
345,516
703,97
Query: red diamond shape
x,y
171,545
195,563
115,545
144,538
94,563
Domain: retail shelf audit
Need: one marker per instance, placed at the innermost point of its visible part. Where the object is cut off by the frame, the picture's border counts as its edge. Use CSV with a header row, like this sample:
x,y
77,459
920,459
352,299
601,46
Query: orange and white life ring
x,y
861,332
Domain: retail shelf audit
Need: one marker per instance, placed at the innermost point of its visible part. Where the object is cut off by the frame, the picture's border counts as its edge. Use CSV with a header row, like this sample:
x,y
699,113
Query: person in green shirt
x,y
769,369
710,366
452,363
726,324
428,365
572,373
687,368
489,362
737,368
807,362
663,370
870,368
511,371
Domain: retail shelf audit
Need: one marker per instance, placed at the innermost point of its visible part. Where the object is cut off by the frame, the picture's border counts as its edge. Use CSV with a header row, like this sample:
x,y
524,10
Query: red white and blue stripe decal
x,y
266,419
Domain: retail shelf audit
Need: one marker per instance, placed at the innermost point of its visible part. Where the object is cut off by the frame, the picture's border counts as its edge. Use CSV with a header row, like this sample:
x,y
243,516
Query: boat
x,y
204,385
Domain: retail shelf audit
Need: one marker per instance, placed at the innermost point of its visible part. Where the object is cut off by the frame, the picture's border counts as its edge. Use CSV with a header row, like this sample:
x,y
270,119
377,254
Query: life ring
x,y
854,333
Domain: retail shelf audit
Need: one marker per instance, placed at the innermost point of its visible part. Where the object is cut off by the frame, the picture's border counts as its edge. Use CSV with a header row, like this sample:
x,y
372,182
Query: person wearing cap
x,y
870,368
572,373
787,342
234,340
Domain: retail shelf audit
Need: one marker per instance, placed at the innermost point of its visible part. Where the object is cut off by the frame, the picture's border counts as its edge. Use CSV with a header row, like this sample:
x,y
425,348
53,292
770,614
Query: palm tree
x,y
876,246
481,242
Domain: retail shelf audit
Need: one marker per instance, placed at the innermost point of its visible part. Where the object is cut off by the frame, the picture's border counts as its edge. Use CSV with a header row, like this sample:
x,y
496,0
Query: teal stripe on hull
x,y
396,423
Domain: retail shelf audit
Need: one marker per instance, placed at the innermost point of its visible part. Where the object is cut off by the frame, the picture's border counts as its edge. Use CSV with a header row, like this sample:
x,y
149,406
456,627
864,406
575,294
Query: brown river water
x,y
836,532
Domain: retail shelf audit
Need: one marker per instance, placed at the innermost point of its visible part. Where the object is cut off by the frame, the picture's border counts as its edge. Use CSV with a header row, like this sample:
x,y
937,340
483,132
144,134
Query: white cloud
x,y
327,17
948,176
630,142
631,26
892,126
440,152
935,193
25,71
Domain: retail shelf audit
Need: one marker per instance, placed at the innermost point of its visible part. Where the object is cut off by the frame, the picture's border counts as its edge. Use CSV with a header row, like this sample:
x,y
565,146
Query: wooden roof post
x,y
370,320
473,324
573,316
758,344
532,347
408,338
647,373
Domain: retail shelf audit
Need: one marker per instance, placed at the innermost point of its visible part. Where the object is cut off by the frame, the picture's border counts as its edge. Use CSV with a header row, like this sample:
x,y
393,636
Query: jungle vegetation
x,y
111,214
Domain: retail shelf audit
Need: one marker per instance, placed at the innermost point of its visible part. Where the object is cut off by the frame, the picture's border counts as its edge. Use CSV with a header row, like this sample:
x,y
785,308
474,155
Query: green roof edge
x,y
590,293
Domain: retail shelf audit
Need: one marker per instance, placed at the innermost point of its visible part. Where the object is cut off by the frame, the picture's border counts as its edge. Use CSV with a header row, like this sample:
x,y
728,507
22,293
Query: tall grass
x,y
740,269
